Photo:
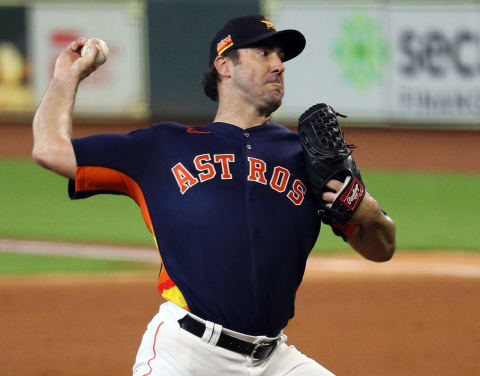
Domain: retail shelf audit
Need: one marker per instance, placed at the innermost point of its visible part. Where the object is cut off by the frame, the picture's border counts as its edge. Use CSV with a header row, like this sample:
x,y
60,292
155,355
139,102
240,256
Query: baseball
x,y
102,53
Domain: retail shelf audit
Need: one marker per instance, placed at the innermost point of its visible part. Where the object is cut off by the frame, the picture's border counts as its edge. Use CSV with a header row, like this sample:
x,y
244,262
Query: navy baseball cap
x,y
251,30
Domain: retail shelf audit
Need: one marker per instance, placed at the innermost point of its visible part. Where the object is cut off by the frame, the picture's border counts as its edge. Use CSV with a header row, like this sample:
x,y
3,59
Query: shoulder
x,y
173,129
168,126
141,137
282,131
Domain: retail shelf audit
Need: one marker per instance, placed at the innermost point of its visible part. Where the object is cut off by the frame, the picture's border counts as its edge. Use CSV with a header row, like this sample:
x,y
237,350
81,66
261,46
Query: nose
x,y
277,64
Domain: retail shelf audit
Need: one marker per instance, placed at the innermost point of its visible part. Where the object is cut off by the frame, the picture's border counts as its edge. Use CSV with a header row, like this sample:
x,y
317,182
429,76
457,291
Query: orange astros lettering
x,y
257,173
184,178
257,170
207,170
297,193
224,160
279,179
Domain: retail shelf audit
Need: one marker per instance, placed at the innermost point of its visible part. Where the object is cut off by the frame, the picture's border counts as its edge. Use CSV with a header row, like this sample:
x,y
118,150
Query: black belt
x,y
259,351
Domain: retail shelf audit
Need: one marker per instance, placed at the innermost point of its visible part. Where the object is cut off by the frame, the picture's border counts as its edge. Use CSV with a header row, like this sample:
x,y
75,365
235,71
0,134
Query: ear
x,y
223,66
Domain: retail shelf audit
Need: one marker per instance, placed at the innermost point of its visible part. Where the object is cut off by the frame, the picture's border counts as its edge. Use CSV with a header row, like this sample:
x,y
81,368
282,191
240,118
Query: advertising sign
x,y
436,62
117,88
385,63
16,94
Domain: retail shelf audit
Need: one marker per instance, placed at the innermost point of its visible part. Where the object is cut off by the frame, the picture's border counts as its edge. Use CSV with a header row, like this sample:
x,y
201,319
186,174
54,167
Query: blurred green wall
x,y
182,31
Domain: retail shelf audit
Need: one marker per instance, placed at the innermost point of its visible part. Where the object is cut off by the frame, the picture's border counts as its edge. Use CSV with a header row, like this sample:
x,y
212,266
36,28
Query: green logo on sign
x,y
361,50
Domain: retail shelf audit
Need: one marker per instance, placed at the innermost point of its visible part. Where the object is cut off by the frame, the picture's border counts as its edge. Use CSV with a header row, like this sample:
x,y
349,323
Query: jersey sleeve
x,y
111,163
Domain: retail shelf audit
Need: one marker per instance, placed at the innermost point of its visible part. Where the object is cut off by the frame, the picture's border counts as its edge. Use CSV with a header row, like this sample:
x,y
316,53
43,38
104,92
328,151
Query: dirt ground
x,y
353,323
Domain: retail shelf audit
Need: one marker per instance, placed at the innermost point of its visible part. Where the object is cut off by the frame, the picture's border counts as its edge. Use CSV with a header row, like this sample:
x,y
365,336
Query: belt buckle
x,y
269,346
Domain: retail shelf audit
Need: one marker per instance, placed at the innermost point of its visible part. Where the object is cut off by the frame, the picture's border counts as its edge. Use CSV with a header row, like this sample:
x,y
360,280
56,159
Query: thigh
x,y
288,361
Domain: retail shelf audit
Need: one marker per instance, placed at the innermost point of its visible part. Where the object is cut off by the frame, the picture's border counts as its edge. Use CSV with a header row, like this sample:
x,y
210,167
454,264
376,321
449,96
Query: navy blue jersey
x,y
229,210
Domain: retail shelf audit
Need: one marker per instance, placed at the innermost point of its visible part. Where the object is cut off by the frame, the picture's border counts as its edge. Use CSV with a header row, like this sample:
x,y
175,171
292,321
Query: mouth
x,y
274,80
277,86
277,81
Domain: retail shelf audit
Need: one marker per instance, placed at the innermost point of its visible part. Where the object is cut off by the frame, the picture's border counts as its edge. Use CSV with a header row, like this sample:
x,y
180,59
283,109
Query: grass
x,y
35,205
22,264
432,211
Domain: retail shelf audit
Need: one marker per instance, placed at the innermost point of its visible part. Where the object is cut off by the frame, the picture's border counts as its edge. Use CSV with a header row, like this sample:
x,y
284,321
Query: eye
x,y
263,51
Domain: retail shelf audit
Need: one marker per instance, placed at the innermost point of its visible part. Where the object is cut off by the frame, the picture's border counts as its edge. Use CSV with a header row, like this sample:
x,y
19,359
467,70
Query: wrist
x,y
65,80
368,212
64,86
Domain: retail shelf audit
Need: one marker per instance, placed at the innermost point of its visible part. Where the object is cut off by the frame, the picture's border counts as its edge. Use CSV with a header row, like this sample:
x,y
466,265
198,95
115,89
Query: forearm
x,y
52,123
52,128
374,237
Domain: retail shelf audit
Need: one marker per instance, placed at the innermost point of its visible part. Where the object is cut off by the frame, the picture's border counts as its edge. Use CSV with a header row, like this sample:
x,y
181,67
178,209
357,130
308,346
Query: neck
x,y
240,114
242,121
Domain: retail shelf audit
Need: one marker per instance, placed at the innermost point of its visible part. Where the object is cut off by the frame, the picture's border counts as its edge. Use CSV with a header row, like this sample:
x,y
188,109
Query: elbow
x,y
42,157
383,247
377,251
387,252
48,151
388,244
58,158
380,254
39,156
46,157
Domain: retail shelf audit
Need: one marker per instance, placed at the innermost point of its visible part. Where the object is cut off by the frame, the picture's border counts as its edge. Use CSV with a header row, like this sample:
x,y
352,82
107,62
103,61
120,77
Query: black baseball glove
x,y
328,157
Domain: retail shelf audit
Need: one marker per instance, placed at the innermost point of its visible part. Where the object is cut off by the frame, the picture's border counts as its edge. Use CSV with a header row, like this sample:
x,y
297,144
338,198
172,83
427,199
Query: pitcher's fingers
x,y
77,45
328,197
334,185
91,55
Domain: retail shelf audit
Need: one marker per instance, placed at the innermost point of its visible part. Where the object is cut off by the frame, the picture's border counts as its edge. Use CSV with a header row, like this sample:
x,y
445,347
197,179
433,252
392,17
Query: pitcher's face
x,y
258,76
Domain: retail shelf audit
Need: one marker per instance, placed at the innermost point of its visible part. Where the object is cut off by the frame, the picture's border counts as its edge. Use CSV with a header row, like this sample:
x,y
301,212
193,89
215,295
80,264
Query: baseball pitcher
x,y
235,206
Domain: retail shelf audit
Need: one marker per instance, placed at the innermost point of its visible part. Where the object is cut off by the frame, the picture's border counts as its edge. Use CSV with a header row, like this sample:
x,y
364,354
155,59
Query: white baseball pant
x,y
168,350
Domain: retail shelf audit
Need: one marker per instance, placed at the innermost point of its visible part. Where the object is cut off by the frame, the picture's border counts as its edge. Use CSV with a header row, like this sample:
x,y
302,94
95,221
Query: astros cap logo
x,y
224,44
268,23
